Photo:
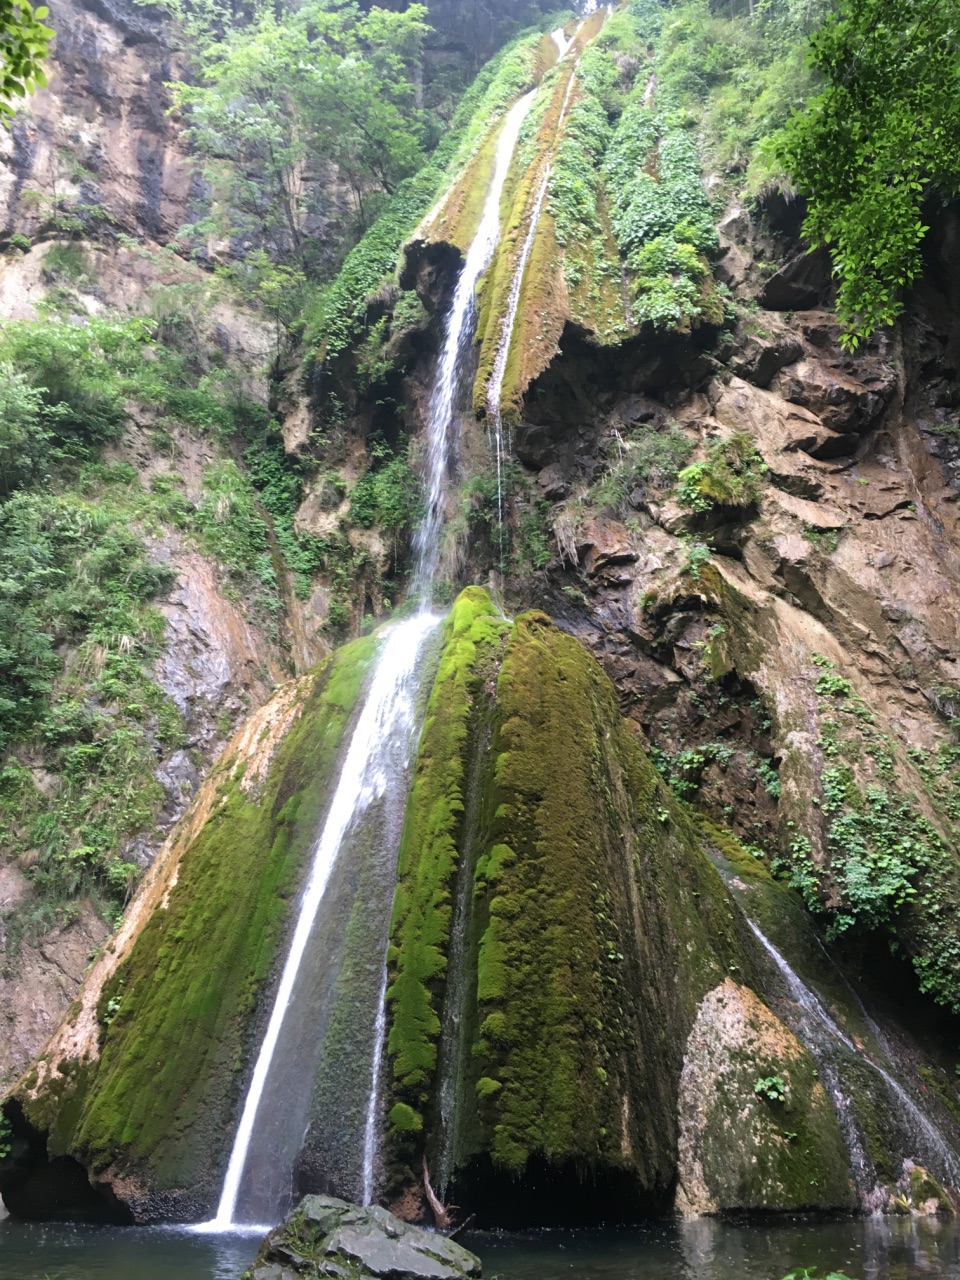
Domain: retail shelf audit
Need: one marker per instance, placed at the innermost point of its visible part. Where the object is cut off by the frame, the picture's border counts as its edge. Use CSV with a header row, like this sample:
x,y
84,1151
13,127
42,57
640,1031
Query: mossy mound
x,y
154,1108
757,1127
593,922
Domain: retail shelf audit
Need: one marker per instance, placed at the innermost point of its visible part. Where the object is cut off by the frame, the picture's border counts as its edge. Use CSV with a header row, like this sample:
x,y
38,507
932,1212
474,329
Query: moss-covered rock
x,y
594,923
150,1106
324,1236
757,1130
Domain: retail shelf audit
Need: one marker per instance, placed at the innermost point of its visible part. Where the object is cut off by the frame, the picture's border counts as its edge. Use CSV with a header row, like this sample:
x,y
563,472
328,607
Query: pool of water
x,y
887,1249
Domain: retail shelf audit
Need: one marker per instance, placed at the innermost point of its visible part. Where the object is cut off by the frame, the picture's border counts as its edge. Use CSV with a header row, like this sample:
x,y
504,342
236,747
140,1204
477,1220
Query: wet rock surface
x,y
325,1236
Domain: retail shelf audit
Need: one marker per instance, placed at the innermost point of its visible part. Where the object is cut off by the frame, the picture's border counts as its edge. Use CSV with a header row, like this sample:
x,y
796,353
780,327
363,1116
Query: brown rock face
x,y
99,134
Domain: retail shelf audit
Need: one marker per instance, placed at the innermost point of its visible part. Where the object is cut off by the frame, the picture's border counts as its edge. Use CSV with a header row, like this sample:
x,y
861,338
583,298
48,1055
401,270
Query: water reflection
x,y
34,1251
867,1249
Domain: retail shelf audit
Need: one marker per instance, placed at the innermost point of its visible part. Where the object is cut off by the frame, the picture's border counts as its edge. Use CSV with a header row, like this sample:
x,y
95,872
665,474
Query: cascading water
x,y
930,1146
458,339
376,765
494,388
562,41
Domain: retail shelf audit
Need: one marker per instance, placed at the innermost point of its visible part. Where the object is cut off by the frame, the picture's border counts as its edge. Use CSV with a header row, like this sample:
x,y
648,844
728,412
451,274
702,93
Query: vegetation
x,y
575,805
434,841
336,319
879,139
24,43
889,868
731,475
82,719
322,80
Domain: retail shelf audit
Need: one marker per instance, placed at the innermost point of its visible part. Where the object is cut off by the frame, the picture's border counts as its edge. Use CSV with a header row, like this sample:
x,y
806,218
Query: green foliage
x,y
388,496
731,475
661,215
65,260
773,1088
534,547
696,555
24,45
73,573
872,145
737,72
78,630
320,80
337,318
683,772
889,868
645,458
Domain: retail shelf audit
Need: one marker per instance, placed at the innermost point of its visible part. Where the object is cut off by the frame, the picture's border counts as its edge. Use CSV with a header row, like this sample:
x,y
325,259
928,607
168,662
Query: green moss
x,y
581,919
405,1119
431,843
924,1188
177,1016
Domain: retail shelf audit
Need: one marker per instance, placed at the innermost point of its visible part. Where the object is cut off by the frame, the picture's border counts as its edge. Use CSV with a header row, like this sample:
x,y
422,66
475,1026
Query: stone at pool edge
x,y
327,1237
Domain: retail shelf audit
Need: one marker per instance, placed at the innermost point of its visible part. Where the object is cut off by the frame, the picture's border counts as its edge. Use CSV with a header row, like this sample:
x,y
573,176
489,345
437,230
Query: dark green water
x,y
888,1249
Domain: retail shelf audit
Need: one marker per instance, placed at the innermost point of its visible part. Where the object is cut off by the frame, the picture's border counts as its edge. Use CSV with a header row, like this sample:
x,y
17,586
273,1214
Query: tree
x,y
24,44
882,136
281,98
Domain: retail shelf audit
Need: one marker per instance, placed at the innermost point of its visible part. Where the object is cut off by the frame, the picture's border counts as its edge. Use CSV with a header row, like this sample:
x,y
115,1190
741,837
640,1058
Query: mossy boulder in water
x,y
324,1236
757,1129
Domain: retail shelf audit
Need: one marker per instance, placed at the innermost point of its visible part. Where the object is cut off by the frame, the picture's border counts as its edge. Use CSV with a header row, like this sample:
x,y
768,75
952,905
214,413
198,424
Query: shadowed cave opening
x,y
38,1188
554,1195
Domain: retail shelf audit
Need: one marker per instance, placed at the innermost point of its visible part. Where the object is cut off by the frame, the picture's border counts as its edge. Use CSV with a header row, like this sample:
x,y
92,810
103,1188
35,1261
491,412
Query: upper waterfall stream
x,y
258,1181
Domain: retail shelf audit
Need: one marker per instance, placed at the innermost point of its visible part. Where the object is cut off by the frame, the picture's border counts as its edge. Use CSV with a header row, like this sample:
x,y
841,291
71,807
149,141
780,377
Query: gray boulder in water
x,y
324,1236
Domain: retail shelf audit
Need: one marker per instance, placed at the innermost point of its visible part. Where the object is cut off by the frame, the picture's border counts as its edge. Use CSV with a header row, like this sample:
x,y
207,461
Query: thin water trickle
x,y
932,1147
373,1102
381,744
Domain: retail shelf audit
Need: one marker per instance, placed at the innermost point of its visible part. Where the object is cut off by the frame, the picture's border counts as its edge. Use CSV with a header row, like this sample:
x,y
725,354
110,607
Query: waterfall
x,y
458,340
497,376
376,764
932,1149
563,42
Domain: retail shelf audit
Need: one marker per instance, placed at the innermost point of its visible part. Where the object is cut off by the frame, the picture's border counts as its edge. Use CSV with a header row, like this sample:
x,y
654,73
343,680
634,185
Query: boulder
x,y
324,1236
757,1130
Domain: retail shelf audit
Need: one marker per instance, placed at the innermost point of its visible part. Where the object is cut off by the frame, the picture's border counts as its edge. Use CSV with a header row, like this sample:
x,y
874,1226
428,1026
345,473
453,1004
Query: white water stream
x,y
386,728
932,1148
460,328
561,40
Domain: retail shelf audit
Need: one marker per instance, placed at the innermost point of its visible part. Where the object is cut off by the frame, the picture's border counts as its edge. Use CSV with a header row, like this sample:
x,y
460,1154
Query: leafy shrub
x,y
730,476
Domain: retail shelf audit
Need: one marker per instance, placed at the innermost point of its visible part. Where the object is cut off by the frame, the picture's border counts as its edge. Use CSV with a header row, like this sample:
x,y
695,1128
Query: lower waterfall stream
x,y
274,1118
